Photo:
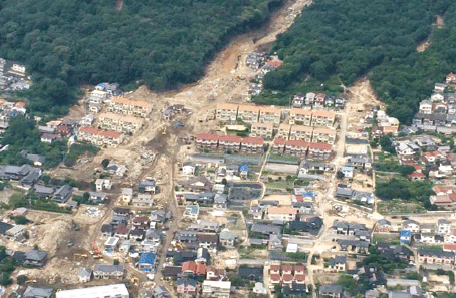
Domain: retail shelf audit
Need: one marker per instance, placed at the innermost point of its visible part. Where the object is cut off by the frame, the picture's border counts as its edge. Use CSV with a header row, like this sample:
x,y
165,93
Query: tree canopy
x,y
159,43
352,38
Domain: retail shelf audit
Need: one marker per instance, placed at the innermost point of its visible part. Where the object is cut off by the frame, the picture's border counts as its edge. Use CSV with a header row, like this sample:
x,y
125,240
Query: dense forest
x,y
160,43
347,39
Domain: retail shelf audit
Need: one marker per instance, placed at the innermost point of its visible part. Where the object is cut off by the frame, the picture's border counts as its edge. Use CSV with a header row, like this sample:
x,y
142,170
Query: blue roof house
x,y
406,236
244,171
192,212
147,262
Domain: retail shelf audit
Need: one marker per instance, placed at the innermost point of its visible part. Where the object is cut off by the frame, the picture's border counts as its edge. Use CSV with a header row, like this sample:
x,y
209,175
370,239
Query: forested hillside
x,y
349,38
157,42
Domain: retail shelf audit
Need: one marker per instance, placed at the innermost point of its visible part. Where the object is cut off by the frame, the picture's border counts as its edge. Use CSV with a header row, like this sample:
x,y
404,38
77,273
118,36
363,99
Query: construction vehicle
x,y
31,281
95,248
164,131
80,255
134,280
98,256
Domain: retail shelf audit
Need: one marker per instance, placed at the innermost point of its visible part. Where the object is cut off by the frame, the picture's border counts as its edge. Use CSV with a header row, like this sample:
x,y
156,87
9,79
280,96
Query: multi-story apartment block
x,y
127,106
100,137
231,143
119,123
296,148
262,130
300,116
283,131
319,151
279,146
323,118
324,135
248,114
301,132
252,145
270,115
226,112
207,141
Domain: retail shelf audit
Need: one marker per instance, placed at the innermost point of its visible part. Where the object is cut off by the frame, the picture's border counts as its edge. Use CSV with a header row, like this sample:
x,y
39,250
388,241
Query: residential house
x,y
38,292
111,244
383,226
192,268
101,184
266,229
191,212
186,286
310,97
330,291
227,239
212,288
50,137
147,186
319,100
275,242
127,195
262,130
434,256
97,197
411,225
37,159
215,274
250,273
43,191
85,274
220,202
338,263
226,112
143,200
443,226
208,241
35,257
282,213
310,227
425,107
298,100
121,232
160,292
107,230
16,233
188,168
62,194
147,262
199,183
108,271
